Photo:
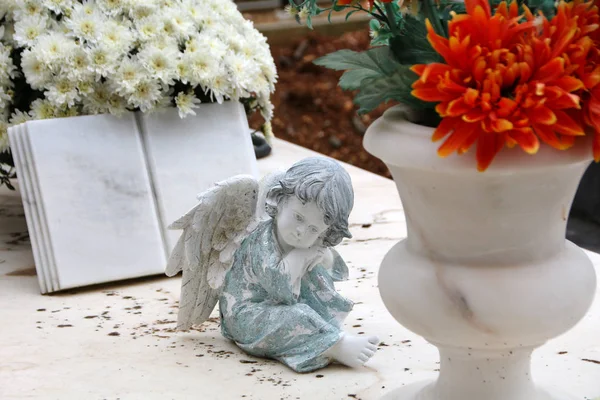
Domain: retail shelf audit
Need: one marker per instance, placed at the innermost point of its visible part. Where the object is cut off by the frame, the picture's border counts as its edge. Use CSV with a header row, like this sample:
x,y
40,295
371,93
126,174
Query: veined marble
x,y
188,155
118,341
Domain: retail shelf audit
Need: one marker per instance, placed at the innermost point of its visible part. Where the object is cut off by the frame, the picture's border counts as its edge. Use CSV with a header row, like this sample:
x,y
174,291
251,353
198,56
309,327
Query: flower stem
x,y
431,14
391,17
379,17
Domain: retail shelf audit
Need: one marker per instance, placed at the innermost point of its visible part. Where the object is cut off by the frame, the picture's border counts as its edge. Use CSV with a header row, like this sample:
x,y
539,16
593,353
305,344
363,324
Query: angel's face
x,y
299,225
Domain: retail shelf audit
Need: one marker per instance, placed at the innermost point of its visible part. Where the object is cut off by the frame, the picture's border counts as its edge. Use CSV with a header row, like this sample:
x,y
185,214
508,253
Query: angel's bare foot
x,y
353,351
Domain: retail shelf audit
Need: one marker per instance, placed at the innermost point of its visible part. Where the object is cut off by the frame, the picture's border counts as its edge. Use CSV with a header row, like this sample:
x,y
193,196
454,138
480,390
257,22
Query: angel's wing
x,y
212,232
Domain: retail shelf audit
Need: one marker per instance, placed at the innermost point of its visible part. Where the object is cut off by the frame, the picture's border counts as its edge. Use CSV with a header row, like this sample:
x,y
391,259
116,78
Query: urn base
x,y
426,390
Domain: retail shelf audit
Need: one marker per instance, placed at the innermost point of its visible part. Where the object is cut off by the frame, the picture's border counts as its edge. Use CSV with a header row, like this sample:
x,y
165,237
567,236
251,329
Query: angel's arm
x,y
281,278
276,276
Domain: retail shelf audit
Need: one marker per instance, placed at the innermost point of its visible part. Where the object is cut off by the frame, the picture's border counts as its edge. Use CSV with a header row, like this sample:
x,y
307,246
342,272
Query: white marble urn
x,y
486,273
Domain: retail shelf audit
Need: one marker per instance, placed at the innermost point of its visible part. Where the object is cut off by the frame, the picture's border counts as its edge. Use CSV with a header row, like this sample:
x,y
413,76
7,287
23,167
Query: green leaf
x,y
412,46
9,185
350,13
375,91
375,59
430,11
547,7
352,79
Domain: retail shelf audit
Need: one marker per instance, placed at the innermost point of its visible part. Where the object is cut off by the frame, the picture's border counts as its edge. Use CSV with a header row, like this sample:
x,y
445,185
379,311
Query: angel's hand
x,y
319,256
308,258
299,261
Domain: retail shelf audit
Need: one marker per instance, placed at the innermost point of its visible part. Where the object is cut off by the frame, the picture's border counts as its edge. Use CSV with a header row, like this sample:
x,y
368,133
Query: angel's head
x,y
312,202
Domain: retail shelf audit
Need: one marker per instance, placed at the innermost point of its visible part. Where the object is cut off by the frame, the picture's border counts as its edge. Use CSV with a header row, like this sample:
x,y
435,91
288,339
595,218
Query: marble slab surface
x,y
89,199
118,341
186,156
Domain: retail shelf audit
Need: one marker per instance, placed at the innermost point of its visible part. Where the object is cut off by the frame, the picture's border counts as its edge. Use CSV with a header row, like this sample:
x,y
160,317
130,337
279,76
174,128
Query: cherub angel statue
x,y
264,252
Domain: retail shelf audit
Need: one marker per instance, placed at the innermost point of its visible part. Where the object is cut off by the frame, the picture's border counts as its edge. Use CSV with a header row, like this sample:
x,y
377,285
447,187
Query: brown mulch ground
x,y
311,110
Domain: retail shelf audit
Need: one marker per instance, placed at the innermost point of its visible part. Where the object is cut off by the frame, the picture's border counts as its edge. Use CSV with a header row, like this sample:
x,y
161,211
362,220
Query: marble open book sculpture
x,y
99,191
264,252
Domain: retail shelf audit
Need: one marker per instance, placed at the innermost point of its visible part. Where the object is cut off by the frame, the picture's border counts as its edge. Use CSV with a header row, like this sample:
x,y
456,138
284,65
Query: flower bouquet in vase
x,y
95,57
499,118
119,113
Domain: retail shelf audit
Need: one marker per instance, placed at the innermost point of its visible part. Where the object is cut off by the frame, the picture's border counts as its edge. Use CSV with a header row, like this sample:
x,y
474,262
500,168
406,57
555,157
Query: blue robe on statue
x,y
263,315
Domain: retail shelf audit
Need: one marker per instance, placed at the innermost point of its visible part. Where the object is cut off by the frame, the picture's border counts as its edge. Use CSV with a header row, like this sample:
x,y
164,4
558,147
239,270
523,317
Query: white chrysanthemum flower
x,y
254,46
203,42
28,29
78,66
207,21
97,101
117,105
102,60
149,27
85,87
54,48
62,91
117,36
158,63
111,7
29,8
64,111
42,109
195,10
183,70
85,23
58,6
166,44
291,10
164,102
202,68
87,7
5,98
243,69
228,11
235,42
180,23
168,29
145,95
303,13
220,88
8,71
19,117
246,28
186,102
58,27
139,9
82,58
8,31
193,44
36,72
127,76
266,107
259,84
4,115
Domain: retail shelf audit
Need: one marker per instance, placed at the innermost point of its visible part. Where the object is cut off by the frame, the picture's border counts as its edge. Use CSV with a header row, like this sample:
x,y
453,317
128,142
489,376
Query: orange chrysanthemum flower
x,y
584,56
504,83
